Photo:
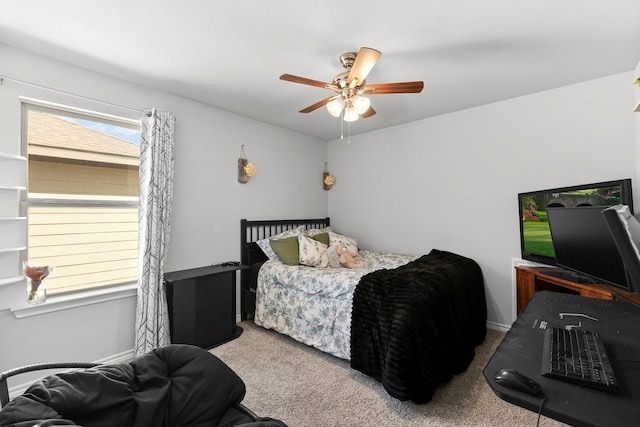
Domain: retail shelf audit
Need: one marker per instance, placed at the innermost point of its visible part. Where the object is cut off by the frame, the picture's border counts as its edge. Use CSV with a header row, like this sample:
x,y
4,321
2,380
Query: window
x,y
82,196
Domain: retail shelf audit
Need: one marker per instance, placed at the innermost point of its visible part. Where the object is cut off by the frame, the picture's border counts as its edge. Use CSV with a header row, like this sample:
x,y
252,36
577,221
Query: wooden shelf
x,y
10,280
13,249
12,156
532,279
13,228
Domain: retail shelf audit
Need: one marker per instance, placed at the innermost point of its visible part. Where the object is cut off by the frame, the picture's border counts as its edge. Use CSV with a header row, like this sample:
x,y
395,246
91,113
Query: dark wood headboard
x,y
251,254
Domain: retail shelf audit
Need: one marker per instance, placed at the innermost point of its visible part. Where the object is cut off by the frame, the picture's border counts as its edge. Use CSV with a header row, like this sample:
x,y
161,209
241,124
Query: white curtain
x,y
156,196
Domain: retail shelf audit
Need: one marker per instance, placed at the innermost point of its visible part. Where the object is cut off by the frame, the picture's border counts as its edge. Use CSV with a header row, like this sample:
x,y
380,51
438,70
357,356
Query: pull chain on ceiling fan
x,y
351,85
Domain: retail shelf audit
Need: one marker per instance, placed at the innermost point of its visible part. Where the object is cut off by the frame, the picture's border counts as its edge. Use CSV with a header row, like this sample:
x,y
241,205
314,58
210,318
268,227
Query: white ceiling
x,y
229,54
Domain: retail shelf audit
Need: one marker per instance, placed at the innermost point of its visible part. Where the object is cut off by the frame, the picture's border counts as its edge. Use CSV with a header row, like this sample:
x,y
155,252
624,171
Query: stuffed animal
x,y
348,259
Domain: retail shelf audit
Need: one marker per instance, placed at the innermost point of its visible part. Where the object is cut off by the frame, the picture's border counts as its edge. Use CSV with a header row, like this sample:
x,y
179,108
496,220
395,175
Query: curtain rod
x,y
37,86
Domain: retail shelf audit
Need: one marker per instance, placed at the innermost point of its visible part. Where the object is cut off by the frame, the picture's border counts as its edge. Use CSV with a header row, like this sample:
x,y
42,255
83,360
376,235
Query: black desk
x,y
619,327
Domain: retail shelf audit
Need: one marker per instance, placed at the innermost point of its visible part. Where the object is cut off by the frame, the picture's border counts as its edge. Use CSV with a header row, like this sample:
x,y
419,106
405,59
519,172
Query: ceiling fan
x,y
351,84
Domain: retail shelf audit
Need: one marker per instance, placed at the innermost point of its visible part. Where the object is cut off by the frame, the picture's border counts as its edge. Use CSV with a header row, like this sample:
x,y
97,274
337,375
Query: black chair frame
x,y
4,387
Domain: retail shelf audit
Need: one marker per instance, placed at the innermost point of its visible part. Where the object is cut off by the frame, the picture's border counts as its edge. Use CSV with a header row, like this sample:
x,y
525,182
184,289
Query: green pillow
x,y
322,237
286,249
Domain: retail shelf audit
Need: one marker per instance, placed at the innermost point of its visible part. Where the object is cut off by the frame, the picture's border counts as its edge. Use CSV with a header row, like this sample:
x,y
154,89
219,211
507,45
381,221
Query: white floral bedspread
x,y
313,305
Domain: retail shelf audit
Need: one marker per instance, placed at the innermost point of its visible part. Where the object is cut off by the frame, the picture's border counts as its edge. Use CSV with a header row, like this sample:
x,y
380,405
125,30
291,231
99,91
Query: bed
x,y
411,322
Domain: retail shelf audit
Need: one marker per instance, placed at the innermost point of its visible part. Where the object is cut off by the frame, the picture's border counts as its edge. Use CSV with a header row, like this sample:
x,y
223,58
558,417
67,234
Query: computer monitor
x,y
583,244
625,230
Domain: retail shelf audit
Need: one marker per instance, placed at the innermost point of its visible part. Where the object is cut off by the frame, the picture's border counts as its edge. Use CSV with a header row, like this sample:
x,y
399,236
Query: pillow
x,y
314,231
266,246
334,258
350,243
286,249
312,252
321,237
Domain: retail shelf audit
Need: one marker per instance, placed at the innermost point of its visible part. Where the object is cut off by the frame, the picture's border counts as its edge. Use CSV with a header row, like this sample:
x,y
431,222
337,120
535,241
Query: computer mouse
x,y
517,381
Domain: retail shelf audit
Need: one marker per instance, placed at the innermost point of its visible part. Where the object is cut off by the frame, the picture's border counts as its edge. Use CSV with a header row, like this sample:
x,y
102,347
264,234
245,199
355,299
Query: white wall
x,y
451,182
208,200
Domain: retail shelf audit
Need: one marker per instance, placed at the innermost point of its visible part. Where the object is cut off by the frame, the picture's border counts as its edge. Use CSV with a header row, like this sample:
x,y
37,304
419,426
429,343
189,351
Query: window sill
x,y
65,302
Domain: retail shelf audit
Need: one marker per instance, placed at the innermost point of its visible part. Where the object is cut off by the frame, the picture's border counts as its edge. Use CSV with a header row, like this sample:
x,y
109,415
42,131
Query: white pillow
x,y
266,246
315,231
312,252
334,258
350,243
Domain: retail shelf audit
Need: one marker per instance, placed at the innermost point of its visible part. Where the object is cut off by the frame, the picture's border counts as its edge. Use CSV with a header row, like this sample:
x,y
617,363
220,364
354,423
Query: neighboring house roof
x,y
52,136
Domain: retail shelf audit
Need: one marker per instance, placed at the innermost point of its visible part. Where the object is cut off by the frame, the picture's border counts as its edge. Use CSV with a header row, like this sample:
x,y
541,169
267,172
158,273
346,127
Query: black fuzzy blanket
x,y
416,326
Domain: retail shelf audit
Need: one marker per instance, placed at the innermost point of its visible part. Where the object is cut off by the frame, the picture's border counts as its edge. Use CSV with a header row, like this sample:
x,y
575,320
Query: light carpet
x,y
304,387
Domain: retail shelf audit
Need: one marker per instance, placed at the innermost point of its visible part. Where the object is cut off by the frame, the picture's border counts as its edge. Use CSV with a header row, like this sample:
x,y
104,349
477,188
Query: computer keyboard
x,y
577,356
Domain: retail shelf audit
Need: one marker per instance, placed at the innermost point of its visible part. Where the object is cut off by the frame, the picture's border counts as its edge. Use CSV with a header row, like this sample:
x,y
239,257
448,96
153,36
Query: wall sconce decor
x,y
327,179
245,168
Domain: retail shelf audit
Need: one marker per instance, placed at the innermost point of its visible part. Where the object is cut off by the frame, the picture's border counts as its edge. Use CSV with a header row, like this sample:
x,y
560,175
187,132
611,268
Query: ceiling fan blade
x,y
303,80
403,87
317,105
370,112
365,60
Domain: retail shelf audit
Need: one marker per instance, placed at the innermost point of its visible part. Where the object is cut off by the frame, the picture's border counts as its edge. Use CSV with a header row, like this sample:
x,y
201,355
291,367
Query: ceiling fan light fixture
x,y
350,114
360,103
350,84
335,107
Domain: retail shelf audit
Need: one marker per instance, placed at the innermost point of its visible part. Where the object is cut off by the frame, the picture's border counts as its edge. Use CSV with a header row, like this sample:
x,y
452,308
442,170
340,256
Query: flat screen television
x,y
535,237
583,244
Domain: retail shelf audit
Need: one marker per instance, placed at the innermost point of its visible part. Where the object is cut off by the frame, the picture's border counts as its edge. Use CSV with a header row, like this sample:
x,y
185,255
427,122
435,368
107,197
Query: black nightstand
x,y
202,305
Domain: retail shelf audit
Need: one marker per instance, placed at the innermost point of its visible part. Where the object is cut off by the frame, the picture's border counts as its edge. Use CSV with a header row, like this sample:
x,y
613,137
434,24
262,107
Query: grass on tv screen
x,y
537,237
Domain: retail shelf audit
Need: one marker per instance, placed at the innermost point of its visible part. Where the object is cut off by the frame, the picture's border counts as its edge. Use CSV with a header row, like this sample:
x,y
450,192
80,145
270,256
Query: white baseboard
x,y
125,356
498,326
